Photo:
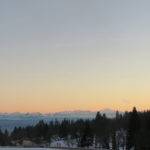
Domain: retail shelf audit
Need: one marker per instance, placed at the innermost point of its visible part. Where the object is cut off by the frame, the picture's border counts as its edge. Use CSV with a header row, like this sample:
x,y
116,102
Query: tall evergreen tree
x,y
133,129
114,146
87,137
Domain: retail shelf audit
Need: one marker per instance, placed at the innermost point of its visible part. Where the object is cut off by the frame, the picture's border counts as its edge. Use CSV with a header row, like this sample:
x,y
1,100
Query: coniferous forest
x,y
130,130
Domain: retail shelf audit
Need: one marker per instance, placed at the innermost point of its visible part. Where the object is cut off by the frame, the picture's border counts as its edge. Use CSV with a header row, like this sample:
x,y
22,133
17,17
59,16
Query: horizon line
x,y
76,110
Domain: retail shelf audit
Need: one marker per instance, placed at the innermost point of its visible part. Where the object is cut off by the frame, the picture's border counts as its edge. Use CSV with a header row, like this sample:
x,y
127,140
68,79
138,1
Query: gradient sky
x,y
58,55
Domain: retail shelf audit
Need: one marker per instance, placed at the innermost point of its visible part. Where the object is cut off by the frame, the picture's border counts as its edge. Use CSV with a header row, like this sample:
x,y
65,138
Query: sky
x,y
58,55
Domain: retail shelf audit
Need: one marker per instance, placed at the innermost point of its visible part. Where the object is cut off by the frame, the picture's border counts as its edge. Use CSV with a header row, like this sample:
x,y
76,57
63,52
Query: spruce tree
x,y
87,137
114,146
133,129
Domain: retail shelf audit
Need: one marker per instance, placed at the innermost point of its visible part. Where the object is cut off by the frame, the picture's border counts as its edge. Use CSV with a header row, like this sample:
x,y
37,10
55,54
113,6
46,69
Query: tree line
x,y
126,131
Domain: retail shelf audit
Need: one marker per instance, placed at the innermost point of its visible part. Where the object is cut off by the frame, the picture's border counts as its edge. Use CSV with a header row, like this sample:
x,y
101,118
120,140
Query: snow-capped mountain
x,y
10,120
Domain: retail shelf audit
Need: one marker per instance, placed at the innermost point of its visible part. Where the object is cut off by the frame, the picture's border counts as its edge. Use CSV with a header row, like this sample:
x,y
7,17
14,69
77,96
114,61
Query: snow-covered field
x,y
27,149
2,148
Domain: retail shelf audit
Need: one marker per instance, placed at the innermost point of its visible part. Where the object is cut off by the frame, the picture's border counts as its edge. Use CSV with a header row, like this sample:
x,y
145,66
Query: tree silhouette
x,y
133,129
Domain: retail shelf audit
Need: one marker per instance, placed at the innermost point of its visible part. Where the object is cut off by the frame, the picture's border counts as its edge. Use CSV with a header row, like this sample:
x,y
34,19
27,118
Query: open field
x,y
27,149
12,148
2,148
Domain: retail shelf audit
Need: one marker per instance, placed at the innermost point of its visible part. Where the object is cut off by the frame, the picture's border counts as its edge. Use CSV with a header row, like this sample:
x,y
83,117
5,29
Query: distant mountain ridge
x,y
10,120
57,115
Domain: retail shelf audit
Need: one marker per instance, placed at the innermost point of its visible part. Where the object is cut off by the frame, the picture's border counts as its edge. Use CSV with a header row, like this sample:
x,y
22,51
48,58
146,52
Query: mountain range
x,y
10,120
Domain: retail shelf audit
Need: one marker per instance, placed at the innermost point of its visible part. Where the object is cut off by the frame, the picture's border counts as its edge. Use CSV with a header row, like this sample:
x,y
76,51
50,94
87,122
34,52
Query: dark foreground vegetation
x,y
127,131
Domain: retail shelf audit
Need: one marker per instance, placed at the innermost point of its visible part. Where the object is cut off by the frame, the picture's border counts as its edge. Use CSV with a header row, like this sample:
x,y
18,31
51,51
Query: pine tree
x,y
133,128
87,137
114,146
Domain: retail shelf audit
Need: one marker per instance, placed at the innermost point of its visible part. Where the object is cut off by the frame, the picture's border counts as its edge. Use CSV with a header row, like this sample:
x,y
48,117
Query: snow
x,y
27,149
63,143
33,149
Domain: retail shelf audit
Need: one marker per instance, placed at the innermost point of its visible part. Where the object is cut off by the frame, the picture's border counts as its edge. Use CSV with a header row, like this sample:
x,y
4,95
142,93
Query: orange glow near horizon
x,y
59,56
50,99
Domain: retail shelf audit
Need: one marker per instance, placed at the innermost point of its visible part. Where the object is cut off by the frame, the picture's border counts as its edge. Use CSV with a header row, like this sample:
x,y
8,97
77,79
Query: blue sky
x,y
89,53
